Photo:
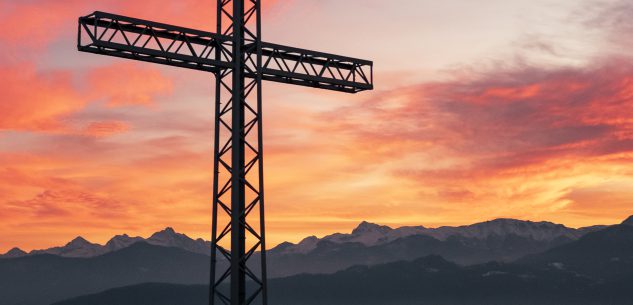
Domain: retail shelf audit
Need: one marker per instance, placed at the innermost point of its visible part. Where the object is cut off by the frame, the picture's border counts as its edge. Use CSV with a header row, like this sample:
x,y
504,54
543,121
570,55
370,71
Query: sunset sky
x,y
482,109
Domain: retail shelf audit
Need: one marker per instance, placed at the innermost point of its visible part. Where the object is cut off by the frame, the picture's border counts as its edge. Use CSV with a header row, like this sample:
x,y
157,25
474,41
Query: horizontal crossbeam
x,y
131,38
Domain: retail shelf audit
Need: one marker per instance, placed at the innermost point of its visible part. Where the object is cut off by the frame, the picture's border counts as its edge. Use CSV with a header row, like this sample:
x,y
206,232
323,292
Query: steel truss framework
x,y
240,62
131,38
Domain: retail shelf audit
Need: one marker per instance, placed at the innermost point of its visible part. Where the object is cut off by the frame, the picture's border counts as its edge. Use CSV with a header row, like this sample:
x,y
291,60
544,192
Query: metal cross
x,y
240,62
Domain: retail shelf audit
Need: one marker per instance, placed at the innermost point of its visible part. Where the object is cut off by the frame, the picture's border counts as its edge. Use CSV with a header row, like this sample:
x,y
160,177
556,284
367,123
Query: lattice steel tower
x,y
240,62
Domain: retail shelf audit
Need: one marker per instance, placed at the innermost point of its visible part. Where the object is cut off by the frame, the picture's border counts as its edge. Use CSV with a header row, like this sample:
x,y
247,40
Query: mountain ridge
x,y
79,247
434,280
60,277
14,252
366,233
370,234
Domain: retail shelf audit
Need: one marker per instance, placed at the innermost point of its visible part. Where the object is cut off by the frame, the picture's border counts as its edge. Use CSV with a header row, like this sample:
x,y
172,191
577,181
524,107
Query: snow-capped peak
x,y
368,228
307,244
310,240
370,234
542,231
78,242
78,247
365,233
166,235
170,238
121,241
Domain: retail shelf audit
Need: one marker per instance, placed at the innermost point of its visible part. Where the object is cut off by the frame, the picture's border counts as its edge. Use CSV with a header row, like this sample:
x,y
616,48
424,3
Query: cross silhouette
x,y
240,62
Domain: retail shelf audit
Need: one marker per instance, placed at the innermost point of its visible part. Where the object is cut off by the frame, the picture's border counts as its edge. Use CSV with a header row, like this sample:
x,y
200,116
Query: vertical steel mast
x,y
243,172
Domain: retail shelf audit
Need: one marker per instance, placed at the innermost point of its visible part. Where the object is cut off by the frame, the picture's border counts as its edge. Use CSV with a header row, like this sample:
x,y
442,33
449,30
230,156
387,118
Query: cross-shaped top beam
x,y
120,36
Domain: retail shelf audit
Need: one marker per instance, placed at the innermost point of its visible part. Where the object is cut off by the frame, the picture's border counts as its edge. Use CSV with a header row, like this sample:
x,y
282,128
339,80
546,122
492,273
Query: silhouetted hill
x,y
14,253
62,277
429,280
152,293
594,270
42,279
606,254
135,262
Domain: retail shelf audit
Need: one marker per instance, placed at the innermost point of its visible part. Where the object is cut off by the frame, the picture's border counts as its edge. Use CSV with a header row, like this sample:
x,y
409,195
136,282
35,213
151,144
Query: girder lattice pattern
x,y
315,69
238,191
131,38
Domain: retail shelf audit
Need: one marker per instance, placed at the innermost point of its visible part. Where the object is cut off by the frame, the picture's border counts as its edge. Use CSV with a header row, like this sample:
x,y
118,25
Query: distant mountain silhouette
x,y
327,256
602,254
366,233
60,277
594,270
370,234
14,253
368,244
43,279
132,260
119,242
80,247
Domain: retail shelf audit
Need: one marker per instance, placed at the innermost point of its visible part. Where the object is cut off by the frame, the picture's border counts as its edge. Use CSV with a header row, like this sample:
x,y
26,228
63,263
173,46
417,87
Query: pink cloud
x,y
504,119
38,23
36,102
45,101
125,84
106,128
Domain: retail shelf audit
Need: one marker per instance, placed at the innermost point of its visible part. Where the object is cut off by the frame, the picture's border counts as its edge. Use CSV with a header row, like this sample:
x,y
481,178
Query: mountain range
x,y
80,247
367,234
596,269
81,267
42,279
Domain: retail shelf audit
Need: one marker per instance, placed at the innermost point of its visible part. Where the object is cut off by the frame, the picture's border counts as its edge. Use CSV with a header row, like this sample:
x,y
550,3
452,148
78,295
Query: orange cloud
x,y
492,146
106,128
35,23
199,14
125,84
527,117
36,101
46,101
40,22
61,191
